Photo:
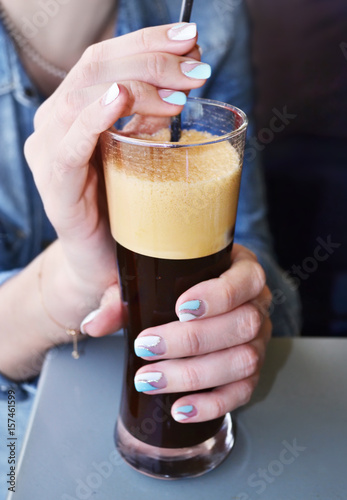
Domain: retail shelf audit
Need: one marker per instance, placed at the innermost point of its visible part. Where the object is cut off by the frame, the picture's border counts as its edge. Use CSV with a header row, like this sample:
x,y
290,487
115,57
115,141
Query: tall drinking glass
x,y
172,210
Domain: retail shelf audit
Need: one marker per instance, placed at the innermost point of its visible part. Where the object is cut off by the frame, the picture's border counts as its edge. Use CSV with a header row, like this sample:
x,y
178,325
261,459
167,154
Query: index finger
x,y
177,38
241,283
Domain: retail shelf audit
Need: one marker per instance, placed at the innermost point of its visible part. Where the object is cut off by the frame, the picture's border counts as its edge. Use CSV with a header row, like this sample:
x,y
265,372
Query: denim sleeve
x,y
22,390
6,275
232,82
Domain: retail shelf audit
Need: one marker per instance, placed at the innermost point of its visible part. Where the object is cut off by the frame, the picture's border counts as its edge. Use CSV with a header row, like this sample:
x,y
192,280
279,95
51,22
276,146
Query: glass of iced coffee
x,y
172,210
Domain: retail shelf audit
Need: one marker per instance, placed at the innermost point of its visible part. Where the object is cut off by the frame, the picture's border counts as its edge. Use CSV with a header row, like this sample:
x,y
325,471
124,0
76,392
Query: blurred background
x,y
299,56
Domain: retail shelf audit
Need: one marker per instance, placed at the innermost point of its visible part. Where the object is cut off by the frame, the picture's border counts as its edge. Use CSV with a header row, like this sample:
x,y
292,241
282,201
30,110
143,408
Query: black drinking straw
x,y
186,11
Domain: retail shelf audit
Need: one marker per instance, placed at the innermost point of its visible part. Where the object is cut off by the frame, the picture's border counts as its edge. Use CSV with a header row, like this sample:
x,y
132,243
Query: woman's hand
x,y
67,126
223,348
219,343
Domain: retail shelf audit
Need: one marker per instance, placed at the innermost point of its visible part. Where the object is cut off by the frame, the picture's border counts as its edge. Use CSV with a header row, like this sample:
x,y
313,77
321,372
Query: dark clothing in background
x,y
300,65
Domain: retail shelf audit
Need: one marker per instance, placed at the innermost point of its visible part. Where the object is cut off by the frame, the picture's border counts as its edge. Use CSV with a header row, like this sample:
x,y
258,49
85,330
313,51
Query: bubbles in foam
x,y
173,203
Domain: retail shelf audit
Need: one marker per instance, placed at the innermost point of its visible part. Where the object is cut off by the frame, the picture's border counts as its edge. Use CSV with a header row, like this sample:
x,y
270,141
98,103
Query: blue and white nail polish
x,y
148,346
196,70
173,97
149,381
184,412
182,31
193,309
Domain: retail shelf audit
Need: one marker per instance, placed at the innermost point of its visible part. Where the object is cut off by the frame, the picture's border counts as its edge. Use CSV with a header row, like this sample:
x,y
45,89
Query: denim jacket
x,y
223,37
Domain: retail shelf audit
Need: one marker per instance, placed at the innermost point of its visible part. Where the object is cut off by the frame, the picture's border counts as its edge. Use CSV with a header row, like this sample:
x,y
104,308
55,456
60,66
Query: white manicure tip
x,y
112,94
186,317
149,377
179,417
88,319
183,32
148,341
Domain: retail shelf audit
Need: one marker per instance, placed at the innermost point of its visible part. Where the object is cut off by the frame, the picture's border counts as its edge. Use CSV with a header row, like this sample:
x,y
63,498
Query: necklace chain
x,y
22,42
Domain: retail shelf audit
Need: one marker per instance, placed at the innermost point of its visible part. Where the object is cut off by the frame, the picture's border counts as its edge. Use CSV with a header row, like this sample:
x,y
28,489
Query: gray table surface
x,y
291,440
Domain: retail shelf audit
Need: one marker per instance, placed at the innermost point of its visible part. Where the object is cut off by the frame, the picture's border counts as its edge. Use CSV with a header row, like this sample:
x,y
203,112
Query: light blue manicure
x,y
192,305
144,386
184,409
141,352
178,98
200,72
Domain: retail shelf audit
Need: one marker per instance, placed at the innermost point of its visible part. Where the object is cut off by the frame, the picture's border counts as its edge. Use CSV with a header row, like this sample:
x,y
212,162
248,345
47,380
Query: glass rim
x,y
167,145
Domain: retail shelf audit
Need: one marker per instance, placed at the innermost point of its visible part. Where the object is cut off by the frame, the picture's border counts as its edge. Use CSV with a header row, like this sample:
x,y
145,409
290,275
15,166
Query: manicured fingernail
x,y
111,95
184,412
150,381
173,97
190,310
182,31
196,70
88,319
149,345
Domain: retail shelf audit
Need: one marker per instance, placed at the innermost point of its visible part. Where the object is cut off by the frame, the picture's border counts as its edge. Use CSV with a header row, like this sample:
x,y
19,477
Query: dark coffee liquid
x,y
150,288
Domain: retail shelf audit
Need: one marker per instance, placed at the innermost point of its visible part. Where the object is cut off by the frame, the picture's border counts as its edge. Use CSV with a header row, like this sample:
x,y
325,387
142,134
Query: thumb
x,y
70,168
108,318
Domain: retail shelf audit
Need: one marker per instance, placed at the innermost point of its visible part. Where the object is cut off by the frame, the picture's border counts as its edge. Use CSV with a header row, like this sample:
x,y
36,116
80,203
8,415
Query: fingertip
x,y
149,346
111,95
103,321
173,97
116,94
183,412
88,320
182,32
191,309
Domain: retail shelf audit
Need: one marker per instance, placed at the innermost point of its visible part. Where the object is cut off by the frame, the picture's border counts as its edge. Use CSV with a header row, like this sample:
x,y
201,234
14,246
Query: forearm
x,y
26,330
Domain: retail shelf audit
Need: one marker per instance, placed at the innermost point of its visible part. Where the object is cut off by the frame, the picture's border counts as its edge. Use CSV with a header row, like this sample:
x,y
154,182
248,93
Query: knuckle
x,y
191,378
228,293
72,99
251,321
246,390
137,93
250,360
71,104
191,341
156,64
144,39
219,406
88,72
258,277
93,53
64,113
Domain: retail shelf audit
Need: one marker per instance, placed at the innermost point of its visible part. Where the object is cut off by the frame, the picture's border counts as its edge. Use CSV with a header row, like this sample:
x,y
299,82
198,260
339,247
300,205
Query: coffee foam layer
x,y
173,203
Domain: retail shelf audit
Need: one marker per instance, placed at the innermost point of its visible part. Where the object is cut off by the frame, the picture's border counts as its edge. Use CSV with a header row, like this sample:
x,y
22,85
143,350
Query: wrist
x,y
89,267
65,297
26,330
